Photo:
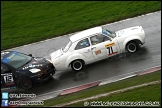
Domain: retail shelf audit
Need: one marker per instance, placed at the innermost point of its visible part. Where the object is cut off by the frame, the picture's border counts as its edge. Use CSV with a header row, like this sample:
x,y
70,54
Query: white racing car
x,y
96,44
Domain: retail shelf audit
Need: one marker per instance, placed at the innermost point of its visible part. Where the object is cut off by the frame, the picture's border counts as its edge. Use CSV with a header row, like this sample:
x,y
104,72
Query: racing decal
x,y
98,52
38,65
32,66
121,32
8,79
87,51
9,57
111,44
35,62
110,51
38,59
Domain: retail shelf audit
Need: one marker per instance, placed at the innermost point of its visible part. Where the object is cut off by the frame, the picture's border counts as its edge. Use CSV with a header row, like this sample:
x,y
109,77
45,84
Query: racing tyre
x,y
77,65
25,82
132,47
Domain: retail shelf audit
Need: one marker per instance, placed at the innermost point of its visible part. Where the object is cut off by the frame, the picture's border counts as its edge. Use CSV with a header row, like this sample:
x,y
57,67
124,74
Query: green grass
x,y
105,88
24,22
150,94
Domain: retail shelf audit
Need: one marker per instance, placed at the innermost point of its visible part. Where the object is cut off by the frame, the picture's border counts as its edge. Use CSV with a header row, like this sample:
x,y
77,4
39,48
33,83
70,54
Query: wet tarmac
x,y
148,56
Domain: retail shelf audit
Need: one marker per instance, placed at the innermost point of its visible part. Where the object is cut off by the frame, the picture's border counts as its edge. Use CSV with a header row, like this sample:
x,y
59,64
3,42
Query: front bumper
x,y
45,75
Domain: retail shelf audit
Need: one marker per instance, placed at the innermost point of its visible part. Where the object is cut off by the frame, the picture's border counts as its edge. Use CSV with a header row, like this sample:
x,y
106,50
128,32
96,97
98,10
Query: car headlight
x,y
34,70
49,60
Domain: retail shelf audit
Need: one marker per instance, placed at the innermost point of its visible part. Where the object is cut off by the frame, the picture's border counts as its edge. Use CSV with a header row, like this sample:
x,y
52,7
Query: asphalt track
x,y
148,56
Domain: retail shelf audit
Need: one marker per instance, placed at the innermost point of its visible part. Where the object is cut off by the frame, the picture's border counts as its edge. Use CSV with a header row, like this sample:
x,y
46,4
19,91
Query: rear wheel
x,y
77,65
132,47
25,82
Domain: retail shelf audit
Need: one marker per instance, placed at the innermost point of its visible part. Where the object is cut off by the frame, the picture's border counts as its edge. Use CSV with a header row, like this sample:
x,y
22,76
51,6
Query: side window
x,y
4,68
98,39
82,44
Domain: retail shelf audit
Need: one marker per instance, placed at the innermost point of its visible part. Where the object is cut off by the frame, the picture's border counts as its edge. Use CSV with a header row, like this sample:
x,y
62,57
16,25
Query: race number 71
x,y
110,51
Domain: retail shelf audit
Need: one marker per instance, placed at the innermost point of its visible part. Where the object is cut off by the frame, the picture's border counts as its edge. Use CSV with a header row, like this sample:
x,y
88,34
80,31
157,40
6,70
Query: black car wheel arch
x,y
25,82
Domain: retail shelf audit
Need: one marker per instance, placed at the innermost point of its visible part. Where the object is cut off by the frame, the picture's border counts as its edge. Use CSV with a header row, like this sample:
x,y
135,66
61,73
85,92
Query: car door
x,y
103,46
83,48
7,79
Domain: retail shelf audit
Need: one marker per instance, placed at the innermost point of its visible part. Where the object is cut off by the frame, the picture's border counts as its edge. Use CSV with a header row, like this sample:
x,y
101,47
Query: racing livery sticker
x,y
87,51
98,52
32,66
9,57
121,32
8,79
110,51
38,59
111,44
110,48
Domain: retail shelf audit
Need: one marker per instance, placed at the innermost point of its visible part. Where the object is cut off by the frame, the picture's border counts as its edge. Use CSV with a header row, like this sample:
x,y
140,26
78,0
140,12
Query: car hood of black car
x,y
36,63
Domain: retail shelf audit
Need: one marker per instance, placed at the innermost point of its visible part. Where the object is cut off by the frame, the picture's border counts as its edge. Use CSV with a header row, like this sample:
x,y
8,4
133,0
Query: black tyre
x,y
132,47
25,82
77,65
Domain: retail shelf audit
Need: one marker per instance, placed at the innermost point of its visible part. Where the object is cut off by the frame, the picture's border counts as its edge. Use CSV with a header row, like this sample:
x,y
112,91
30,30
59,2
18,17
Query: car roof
x,y
5,53
85,33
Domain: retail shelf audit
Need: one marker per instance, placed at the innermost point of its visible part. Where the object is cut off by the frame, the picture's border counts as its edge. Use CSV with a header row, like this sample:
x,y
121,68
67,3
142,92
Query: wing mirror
x,y
30,55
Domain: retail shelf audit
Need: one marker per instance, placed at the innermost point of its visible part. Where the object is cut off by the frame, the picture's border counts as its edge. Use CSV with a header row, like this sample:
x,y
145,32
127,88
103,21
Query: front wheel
x,y
25,82
77,65
132,47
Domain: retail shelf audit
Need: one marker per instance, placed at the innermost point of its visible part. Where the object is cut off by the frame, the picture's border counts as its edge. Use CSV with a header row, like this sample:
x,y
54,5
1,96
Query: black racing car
x,y
18,69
